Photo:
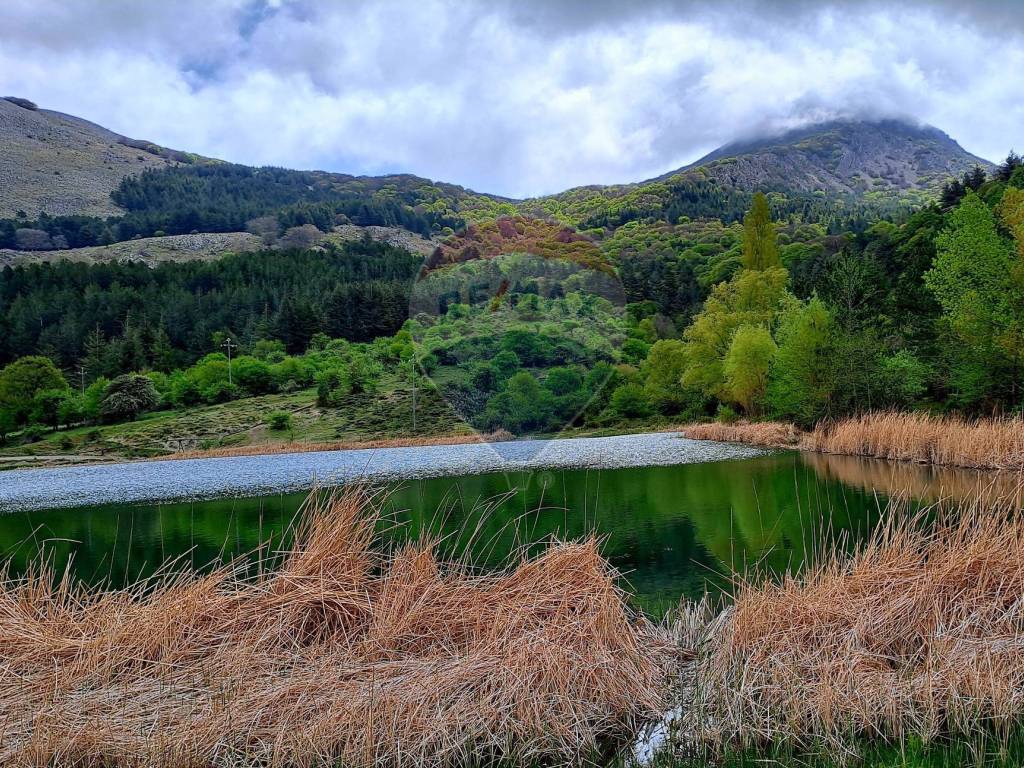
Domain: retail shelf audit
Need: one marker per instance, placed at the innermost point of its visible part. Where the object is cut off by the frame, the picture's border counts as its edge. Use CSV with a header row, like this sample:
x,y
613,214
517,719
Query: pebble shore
x,y
171,480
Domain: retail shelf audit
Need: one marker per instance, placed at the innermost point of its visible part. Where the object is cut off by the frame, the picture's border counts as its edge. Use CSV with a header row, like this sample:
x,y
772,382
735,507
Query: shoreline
x,y
204,478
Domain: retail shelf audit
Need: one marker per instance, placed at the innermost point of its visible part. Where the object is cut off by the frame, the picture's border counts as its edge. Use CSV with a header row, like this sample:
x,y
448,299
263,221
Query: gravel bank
x,y
31,489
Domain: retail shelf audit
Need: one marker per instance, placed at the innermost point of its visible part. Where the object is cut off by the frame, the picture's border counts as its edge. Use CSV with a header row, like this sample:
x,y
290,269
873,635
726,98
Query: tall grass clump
x,y
916,637
347,653
942,440
766,433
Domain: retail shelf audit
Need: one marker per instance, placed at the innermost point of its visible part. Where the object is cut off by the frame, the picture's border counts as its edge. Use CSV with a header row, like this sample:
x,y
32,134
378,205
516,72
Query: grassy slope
x,y
385,414
61,164
149,250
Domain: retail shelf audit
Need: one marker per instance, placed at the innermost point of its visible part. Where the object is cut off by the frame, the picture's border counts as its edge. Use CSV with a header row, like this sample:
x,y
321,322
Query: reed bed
x,y
917,635
941,440
347,653
767,433
298,446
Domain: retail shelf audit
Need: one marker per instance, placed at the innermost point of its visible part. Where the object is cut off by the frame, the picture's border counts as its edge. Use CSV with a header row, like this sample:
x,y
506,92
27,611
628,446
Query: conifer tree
x,y
760,249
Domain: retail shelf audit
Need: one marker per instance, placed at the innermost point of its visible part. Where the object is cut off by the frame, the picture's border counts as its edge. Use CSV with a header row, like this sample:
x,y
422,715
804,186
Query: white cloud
x,y
510,97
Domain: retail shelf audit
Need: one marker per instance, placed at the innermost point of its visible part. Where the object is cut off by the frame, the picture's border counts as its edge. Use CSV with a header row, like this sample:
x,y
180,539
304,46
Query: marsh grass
x,y
941,440
915,638
765,433
348,653
951,441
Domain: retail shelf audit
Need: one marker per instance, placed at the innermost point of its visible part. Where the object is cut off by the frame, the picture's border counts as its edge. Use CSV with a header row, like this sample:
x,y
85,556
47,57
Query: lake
x,y
671,530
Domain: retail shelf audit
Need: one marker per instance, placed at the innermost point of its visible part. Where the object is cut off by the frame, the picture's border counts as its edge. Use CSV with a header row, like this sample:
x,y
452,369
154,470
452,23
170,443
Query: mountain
x,y
841,157
65,165
839,174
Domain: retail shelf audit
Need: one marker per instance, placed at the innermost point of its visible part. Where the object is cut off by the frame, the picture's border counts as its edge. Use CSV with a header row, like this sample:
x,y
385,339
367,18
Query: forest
x,y
222,197
531,327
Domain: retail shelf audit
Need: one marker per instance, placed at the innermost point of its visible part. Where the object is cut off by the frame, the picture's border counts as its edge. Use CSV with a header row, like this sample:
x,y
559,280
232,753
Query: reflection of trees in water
x,y
917,481
123,542
671,530
772,514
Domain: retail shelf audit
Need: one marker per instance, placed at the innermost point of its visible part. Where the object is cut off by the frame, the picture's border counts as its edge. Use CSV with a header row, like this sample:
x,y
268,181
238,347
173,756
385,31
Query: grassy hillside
x,y
65,165
239,423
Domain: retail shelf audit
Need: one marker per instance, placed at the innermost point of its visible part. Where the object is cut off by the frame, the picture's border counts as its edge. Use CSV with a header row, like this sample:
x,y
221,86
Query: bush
x,y
33,434
630,402
332,387
66,443
254,376
278,421
221,392
726,415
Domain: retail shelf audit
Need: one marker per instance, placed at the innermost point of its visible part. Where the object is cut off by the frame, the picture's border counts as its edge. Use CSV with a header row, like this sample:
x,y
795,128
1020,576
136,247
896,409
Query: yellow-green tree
x,y
1011,210
746,367
753,297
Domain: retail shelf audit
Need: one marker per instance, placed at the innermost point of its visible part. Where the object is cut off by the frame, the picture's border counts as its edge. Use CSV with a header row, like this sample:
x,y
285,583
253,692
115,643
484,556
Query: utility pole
x,y
81,375
228,345
412,367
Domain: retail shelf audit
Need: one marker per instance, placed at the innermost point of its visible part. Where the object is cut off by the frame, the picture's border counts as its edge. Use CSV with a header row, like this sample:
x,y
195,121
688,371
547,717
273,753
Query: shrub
x,y
279,421
221,392
726,415
33,434
630,402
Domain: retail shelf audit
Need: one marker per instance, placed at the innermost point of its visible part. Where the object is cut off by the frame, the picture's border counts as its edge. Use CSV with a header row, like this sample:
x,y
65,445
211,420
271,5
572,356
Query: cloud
x,y
517,97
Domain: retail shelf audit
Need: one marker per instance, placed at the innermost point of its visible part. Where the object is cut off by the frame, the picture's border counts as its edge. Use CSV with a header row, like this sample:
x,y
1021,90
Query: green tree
x,y
25,378
973,278
971,273
752,297
904,379
253,375
563,380
47,406
802,374
523,406
630,402
663,374
92,398
760,247
7,424
127,396
746,367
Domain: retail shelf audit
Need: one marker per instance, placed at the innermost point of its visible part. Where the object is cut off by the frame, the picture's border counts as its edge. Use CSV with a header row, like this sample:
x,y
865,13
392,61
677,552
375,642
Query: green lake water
x,y
672,531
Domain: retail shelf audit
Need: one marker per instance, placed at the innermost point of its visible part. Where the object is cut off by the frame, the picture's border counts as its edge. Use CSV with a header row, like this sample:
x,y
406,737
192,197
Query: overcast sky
x,y
515,97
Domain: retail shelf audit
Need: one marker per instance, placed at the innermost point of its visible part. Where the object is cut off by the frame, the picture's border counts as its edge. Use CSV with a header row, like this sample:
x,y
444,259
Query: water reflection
x,y
917,481
672,530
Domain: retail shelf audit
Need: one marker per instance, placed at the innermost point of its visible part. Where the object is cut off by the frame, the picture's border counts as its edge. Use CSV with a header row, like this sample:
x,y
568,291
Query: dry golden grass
x,y
921,632
346,652
265,449
946,441
767,433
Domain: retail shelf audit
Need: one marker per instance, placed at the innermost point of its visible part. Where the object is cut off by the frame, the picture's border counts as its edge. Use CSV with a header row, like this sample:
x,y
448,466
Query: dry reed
x,y
347,652
767,433
946,441
921,632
